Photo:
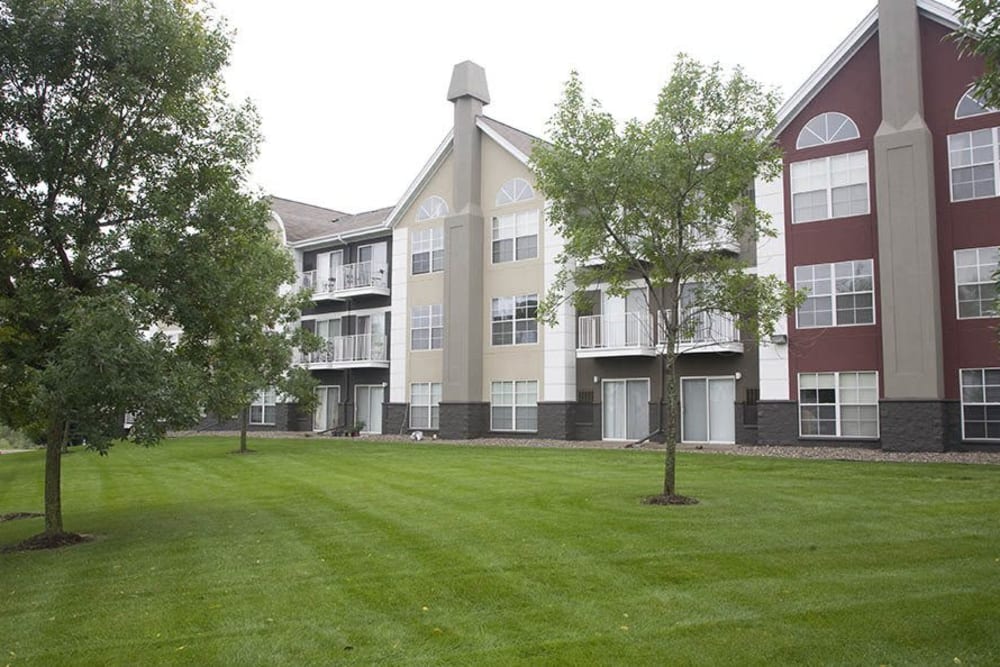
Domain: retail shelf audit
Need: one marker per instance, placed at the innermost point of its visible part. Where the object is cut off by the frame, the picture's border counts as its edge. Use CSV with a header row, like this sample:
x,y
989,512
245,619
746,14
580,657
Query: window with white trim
x,y
980,403
264,407
513,320
827,128
433,207
515,237
425,398
830,187
427,251
975,287
427,327
969,105
837,295
514,190
514,406
838,405
972,164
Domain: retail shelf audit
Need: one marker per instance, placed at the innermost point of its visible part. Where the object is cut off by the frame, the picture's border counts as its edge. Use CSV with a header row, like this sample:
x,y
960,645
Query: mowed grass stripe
x,y
319,552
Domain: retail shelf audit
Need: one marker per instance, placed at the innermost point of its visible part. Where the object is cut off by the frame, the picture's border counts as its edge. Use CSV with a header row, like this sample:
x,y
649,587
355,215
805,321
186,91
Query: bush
x,y
11,438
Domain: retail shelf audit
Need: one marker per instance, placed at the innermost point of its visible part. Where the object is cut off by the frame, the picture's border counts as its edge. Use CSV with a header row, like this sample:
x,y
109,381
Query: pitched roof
x,y
302,221
932,9
519,139
306,222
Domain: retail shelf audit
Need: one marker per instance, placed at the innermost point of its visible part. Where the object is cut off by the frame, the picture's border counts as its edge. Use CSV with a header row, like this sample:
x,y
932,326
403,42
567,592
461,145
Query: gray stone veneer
x,y
777,422
557,421
395,418
913,426
460,421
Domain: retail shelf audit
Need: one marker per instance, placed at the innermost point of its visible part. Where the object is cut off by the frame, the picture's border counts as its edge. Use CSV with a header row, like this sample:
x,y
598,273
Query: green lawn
x,y
319,552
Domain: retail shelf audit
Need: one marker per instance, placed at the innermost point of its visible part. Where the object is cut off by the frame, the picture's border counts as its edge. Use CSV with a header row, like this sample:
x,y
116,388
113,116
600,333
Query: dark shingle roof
x,y
521,140
306,221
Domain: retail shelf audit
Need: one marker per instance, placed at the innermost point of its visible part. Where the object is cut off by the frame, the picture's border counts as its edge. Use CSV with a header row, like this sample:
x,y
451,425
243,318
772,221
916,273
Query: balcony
x,y
360,351
712,332
349,280
622,335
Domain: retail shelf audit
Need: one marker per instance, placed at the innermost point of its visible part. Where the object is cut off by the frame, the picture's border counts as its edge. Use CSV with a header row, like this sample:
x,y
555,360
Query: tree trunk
x,y
53,478
671,428
243,431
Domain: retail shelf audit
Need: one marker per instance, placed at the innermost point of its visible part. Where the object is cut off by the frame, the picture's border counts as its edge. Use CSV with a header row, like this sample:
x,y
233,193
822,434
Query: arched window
x,y
969,105
827,128
514,190
433,207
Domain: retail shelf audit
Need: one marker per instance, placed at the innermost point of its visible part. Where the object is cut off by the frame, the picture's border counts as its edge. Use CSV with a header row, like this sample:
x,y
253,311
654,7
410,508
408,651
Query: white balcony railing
x,y
711,327
348,350
619,332
359,278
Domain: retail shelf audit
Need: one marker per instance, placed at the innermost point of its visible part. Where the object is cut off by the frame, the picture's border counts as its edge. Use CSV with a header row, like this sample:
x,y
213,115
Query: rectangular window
x,y
975,288
264,407
981,404
514,320
424,400
841,294
514,406
427,327
972,162
515,237
830,187
427,254
838,405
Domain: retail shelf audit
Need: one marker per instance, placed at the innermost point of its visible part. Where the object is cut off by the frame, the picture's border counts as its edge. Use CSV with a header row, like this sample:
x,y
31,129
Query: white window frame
x,y
512,304
265,399
968,94
429,411
839,404
427,318
325,388
843,118
979,266
513,191
986,404
625,381
432,208
995,162
513,227
428,242
833,293
514,405
829,187
708,405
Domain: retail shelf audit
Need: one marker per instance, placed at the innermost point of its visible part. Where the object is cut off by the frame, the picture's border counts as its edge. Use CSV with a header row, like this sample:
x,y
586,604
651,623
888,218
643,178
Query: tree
x,y
658,201
122,207
979,35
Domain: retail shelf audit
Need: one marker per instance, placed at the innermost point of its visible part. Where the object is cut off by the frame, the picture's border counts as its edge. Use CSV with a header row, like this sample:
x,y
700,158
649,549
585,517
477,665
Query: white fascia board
x,y
428,171
932,9
497,137
378,231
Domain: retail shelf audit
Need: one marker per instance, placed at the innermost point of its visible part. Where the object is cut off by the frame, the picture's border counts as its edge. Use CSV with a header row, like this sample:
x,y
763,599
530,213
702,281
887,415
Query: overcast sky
x,y
352,94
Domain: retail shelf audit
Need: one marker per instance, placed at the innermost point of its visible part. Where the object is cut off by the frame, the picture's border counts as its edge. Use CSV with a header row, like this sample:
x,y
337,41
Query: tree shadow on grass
x,y
41,541
669,500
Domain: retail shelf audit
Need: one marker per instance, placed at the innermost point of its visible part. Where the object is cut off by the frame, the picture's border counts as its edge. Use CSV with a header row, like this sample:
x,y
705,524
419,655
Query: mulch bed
x,y
13,516
40,542
669,500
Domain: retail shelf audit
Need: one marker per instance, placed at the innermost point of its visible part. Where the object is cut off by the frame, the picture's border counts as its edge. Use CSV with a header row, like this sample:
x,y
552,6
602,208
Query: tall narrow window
x,y
425,398
427,251
830,187
427,327
975,288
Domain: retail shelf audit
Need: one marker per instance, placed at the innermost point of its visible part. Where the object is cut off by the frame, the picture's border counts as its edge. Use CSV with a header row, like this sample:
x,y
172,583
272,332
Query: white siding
x,y
399,334
771,261
560,340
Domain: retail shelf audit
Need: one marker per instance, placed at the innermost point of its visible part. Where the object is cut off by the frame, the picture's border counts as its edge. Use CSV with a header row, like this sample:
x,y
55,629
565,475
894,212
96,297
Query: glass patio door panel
x,y
368,407
625,409
708,410
327,414
722,410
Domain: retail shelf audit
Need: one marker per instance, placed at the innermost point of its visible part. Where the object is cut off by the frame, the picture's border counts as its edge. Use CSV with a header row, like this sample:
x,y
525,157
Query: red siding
x,y
967,224
855,91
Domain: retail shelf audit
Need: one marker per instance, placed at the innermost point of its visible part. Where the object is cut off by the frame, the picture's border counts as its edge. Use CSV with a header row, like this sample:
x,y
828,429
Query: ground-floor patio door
x,y
368,407
625,409
327,415
708,409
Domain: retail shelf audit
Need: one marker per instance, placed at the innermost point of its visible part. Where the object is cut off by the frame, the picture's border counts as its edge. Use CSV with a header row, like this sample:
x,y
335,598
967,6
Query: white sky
x,y
352,94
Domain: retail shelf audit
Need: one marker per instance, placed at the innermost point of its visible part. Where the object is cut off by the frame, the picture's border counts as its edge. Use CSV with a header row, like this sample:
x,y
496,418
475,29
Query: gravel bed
x,y
789,451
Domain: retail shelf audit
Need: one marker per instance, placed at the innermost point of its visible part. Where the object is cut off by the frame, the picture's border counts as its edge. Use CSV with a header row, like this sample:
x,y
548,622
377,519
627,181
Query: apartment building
x,y
887,211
